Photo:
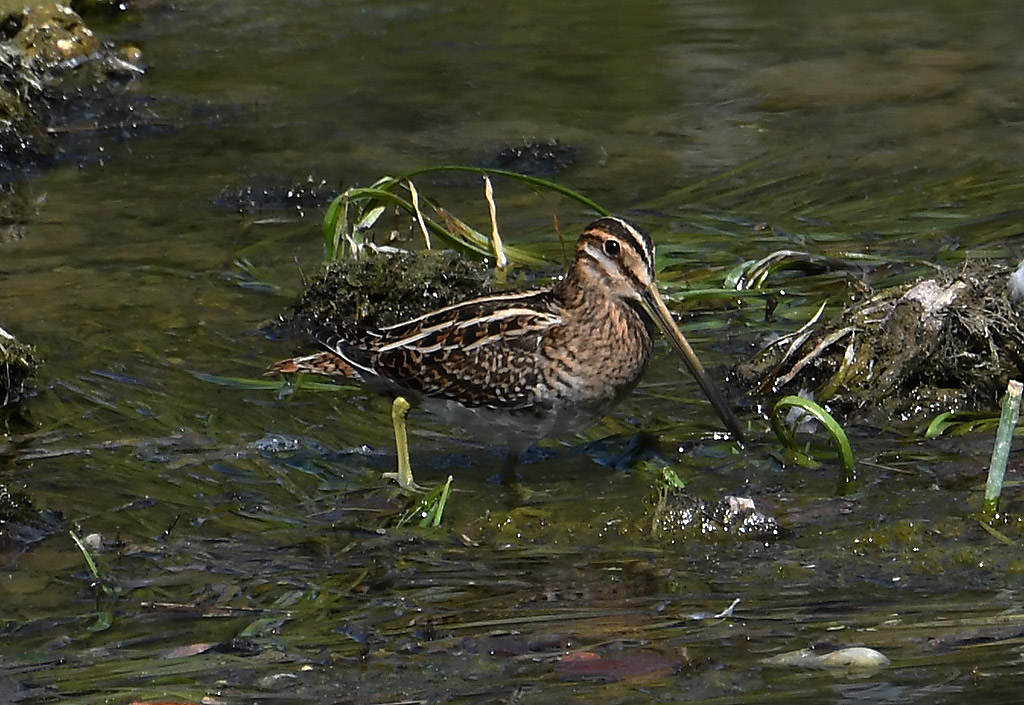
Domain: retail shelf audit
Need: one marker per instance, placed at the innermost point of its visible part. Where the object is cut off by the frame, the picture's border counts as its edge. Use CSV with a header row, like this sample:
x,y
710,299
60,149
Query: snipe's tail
x,y
321,363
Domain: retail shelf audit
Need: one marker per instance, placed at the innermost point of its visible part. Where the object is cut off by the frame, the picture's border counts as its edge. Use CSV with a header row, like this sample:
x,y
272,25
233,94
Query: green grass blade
x,y
433,518
335,222
428,509
787,436
1001,450
85,553
532,181
958,423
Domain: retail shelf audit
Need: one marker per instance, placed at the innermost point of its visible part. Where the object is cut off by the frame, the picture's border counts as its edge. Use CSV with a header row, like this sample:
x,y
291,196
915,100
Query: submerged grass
x,y
957,423
295,383
103,618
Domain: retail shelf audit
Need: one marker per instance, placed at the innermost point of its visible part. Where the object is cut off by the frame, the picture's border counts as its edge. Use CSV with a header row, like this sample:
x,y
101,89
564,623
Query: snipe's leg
x,y
507,474
404,478
515,493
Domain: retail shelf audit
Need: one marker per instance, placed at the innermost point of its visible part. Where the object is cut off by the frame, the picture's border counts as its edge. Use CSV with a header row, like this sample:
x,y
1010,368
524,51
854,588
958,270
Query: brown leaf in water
x,y
588,665
188,650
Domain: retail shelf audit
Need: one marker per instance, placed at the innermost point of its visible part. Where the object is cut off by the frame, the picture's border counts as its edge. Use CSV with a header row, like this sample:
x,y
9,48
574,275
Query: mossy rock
x,y
54,70
49,33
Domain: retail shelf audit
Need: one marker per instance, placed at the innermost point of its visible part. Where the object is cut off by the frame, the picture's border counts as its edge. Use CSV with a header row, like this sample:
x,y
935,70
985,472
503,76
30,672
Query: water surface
x,y
733,129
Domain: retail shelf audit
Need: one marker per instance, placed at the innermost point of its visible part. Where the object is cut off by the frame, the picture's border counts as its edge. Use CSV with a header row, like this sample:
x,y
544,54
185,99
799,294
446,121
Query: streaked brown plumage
x,y
527,364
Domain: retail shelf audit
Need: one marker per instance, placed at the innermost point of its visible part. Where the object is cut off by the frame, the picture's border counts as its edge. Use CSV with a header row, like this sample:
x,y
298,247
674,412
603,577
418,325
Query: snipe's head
x,y
617,258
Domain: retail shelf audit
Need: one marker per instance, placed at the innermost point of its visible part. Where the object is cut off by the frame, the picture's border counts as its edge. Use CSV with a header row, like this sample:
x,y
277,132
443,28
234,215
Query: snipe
x,y
525,365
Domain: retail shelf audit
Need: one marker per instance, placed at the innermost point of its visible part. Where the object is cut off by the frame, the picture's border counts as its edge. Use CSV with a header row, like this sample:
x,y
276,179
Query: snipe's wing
x,y
484,352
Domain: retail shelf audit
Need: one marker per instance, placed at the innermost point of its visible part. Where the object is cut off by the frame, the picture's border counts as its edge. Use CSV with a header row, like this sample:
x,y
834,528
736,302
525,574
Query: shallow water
x,y
233,519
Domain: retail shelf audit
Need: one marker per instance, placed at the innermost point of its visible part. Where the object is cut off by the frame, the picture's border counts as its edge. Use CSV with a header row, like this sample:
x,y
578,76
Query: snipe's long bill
x,y
540,362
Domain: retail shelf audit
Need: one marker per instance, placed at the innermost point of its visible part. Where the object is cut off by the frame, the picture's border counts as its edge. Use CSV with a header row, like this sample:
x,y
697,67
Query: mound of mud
x,y
904,354
383,288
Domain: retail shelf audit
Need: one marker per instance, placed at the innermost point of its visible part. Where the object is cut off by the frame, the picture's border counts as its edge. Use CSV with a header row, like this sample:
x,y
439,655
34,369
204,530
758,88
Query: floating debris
x,y
853,658
724,614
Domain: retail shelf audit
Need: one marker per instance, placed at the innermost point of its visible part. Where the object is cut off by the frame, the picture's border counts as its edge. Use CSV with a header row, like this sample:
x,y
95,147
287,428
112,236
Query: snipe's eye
x,y
611,248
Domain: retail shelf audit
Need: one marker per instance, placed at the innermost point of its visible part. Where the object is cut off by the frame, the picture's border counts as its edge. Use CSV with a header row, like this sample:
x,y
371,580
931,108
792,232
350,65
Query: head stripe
x,y
629,235
589,240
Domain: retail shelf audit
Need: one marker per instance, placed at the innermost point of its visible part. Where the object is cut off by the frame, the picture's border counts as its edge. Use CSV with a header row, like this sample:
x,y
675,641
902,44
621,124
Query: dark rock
x,y
301,196
536,158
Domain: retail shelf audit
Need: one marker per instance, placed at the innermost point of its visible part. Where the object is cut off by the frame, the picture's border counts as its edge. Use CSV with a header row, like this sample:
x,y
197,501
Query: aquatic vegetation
x,y
807,409
427,511
18,364
1001,450
358,209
